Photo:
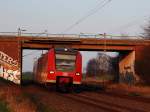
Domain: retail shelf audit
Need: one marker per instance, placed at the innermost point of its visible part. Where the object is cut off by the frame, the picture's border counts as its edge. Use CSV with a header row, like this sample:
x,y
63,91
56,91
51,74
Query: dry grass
x,y
131,90
41,107
15,100
3,106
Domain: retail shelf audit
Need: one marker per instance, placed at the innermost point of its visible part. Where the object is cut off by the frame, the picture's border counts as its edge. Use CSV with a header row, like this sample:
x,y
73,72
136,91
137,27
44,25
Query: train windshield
x,y
65,62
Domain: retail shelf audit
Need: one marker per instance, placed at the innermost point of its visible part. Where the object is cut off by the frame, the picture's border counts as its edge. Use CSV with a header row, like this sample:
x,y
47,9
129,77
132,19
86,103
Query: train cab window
x,y
65,62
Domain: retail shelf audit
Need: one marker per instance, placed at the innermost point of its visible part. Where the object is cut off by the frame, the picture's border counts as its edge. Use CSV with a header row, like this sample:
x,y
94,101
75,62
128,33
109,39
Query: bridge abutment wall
x,y
142,63
10,60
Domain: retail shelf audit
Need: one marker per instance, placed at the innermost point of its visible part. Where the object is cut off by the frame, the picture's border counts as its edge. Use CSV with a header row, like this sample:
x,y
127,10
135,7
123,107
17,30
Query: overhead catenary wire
x,y
90,13
95,8
129,24
31,53
45,32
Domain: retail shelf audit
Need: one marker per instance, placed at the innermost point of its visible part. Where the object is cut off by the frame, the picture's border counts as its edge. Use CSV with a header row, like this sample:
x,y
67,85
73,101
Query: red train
x,y
61,66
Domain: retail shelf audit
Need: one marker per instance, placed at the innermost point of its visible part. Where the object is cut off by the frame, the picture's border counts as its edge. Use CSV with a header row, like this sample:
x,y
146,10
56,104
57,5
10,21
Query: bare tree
x,y
91,68
146,34
103,63
100,65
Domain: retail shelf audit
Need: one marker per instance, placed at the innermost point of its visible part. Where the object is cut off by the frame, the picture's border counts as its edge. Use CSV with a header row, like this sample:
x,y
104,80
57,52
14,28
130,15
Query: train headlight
x,y
77,73
51,72
66,49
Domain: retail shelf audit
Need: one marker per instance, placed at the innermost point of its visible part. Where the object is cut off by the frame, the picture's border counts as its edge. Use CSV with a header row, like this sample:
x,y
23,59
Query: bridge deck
x,y
73,40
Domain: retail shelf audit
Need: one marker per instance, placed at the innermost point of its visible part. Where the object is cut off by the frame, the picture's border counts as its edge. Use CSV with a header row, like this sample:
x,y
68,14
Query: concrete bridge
x,y
134,54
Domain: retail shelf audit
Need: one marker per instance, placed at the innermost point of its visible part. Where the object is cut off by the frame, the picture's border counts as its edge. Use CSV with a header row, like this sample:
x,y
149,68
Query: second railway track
x,y
109,106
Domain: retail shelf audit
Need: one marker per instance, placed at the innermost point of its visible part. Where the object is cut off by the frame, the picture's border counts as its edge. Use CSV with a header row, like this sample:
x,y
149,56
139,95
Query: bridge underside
x,y
133,60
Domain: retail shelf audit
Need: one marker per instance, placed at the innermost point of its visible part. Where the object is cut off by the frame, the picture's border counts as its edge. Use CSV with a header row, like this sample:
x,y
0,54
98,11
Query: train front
x,y
66,68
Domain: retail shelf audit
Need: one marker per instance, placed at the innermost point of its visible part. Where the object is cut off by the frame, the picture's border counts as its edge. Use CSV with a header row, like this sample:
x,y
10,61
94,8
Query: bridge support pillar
x,y
127,67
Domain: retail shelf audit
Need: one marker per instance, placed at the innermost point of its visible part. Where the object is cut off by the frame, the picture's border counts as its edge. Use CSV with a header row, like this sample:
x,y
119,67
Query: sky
x,y
55,16
119,16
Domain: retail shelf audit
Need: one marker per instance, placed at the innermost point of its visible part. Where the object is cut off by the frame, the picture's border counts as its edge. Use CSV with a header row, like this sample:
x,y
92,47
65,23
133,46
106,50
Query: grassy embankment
x,y
4,106
16,99
41,107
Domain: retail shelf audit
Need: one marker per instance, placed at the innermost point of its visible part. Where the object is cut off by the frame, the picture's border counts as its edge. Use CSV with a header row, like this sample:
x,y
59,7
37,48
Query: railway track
x,y
101,101
90,103
135,98
105,105
112,104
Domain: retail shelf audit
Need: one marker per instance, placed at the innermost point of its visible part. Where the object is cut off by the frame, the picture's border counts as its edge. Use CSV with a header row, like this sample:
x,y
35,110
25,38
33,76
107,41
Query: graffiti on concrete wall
x,y
9,69
7,59
127,76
